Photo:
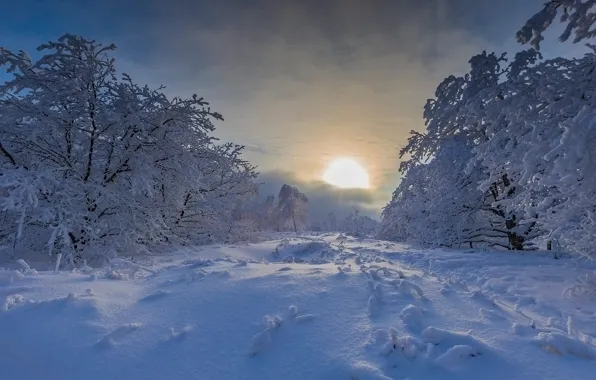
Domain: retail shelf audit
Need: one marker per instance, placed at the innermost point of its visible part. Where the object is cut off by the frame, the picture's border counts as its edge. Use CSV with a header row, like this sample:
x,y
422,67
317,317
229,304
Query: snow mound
x,y
439,336
12,301
407,346
26,268
411,316
379,273
456,355
198,263
8,277
561,344
121,269
585,288
311,252
457,283
409,288
525,330
292,310
365,371
374,305
198,316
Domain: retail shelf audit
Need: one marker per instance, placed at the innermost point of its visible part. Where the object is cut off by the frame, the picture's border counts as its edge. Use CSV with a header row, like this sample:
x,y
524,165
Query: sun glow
x,y
346,173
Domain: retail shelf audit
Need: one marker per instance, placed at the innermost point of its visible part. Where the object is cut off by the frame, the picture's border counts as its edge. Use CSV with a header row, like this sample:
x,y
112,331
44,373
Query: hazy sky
x,y
298,81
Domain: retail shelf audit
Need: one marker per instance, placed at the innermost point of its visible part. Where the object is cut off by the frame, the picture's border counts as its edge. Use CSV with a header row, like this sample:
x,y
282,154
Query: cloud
x,y
308,81
323,198
257,149
300,82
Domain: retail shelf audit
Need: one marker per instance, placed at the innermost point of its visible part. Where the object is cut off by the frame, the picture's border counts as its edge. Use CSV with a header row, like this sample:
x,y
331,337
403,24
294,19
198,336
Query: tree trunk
x,y
294,221
516,241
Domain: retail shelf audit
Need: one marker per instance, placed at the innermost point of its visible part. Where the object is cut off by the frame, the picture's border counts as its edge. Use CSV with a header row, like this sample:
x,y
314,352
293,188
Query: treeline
x,y
290,211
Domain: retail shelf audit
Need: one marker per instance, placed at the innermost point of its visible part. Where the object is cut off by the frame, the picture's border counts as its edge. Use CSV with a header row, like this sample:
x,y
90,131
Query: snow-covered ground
x,y
304,308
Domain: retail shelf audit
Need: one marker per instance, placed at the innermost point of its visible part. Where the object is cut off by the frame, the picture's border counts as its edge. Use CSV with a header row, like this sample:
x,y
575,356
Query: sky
x,y
299,82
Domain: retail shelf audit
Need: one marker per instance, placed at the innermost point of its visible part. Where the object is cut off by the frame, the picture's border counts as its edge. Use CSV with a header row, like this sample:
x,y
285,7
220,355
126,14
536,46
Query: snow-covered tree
x,y
466,112
577,15
331,222
563,171
515,122
269,217
293,207
438,203
93,165
508,146
571,213
358,225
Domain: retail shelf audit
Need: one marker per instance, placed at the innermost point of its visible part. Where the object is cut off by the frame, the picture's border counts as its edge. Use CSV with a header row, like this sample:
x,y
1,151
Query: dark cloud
x,y
323,198
256,149
299,82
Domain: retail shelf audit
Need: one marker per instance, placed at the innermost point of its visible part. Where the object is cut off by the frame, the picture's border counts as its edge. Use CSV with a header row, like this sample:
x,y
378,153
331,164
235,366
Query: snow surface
x,y
324,307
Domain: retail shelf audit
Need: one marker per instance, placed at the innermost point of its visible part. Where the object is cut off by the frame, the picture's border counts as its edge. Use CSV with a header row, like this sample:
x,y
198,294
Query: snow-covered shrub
x,y
358,225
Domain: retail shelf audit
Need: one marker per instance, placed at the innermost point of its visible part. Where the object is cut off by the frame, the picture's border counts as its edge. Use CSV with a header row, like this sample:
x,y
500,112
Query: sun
x,y
346,173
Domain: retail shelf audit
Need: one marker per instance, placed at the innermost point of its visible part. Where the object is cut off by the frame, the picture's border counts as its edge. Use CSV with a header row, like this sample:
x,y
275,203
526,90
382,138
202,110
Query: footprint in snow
x,y
562,344
264,339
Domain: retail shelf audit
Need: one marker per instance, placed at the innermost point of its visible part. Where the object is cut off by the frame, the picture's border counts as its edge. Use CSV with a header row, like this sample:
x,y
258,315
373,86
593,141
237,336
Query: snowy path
x,y
300,309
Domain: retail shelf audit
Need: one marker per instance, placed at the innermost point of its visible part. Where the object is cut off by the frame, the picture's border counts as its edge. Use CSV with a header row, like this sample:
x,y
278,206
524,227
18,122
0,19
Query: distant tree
x,y
267,214
293,206
331,222
359,225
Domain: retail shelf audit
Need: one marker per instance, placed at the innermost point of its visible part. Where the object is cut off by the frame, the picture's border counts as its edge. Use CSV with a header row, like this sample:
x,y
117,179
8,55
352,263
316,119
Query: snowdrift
x,y
300,308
